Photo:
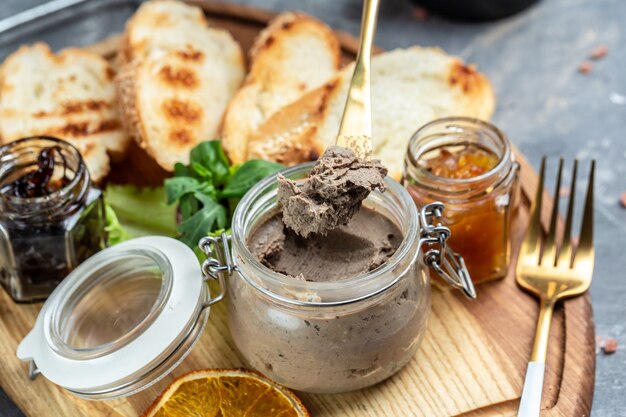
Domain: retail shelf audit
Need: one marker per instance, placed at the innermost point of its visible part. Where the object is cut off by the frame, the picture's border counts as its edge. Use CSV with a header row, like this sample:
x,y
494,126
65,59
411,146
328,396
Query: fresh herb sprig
x,y
198,200
208,189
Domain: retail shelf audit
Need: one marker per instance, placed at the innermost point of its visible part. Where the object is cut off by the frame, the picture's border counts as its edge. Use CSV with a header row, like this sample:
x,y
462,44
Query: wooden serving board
x,y
471,363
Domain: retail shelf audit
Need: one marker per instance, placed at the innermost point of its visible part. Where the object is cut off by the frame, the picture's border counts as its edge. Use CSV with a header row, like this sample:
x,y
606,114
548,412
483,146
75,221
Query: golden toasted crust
x,y
476,89
293,55
409,89
127,97
70,95
124,53
288,136
285,25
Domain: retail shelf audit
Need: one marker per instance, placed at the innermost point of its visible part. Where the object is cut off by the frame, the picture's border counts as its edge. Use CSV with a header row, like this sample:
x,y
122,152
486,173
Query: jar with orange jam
x,y
468,165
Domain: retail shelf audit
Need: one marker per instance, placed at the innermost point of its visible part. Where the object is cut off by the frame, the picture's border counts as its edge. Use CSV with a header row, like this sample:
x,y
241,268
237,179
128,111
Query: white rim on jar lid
x,y
113,368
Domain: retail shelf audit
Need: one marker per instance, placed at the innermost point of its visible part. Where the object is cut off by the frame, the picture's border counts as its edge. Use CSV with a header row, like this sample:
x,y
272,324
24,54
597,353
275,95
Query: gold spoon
x,y
355,131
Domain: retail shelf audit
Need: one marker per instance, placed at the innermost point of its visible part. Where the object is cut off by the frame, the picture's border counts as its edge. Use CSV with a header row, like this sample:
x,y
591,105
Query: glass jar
x,y
120,321
328,337
478,209
43,238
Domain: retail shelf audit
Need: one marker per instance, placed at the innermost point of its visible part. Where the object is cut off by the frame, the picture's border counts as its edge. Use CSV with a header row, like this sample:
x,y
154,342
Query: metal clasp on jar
x,y
217,264
448,264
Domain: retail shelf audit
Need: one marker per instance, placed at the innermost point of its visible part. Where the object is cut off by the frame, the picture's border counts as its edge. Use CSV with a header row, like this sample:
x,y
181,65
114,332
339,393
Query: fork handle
x,y
530,403
533,385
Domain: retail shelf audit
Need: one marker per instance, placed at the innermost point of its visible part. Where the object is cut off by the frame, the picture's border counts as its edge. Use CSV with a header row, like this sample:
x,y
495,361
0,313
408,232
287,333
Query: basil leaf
x,y
178,187
181,170
247,176
210,155
202,172
188,206
210,217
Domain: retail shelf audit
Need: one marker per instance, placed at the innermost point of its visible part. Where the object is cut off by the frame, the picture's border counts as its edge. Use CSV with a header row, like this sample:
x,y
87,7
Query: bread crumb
x,y
610,346
585,67
420,13
599,52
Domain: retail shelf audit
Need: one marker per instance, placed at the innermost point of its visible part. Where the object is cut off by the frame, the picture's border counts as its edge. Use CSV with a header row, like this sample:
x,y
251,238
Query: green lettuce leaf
x,y
116,233
139,212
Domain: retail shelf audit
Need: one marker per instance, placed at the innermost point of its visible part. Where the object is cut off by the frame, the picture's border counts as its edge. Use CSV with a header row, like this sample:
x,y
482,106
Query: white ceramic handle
x,y
531,395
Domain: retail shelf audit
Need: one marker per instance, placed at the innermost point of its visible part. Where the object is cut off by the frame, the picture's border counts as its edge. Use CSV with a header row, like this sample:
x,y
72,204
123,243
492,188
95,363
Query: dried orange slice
x,y
226,393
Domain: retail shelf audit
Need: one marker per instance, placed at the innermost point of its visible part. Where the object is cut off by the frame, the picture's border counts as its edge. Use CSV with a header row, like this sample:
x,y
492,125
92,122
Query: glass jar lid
x,y
120,321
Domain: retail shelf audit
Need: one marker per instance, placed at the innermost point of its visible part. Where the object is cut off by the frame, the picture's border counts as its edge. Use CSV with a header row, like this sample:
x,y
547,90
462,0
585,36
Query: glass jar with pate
x,y
51,218
346,331
468,165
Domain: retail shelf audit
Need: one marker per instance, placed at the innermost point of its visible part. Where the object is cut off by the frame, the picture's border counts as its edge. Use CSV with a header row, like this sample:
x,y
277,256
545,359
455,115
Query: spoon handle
x,y
355,130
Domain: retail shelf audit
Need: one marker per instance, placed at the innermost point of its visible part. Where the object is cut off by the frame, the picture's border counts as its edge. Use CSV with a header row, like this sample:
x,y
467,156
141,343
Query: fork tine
x,y
585,251
549,248
565,255
531,246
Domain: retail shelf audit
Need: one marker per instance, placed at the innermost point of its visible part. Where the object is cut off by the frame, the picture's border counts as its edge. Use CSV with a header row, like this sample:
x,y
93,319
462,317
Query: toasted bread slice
x,y
70,95
410,87
177,78
160,26
293,55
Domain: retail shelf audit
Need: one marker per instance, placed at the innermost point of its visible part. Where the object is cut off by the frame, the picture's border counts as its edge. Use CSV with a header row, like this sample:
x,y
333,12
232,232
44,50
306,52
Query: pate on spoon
x,y
344,175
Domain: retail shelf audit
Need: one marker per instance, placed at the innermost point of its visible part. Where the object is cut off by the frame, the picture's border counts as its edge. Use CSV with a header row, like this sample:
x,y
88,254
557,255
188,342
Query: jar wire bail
x,y
448,264
217,264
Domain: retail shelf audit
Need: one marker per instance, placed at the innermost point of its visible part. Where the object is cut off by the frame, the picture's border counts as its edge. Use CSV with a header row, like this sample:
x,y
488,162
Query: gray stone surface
x,y
544,104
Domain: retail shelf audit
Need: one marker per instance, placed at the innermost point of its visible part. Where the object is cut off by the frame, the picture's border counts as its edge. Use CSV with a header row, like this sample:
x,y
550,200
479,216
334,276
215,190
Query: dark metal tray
x,y
63,23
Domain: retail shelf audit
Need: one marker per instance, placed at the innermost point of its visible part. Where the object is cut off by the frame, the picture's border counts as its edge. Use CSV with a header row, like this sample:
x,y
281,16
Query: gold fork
x,y
552,274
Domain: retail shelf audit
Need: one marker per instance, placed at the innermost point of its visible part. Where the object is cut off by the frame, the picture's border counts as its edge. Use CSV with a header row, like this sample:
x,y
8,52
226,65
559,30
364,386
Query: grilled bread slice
x,y
70,95
293,55
410,87
177,78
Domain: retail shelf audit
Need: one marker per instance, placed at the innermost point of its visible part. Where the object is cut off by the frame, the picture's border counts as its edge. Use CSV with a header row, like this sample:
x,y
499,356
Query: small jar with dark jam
x,y
51,218
468,165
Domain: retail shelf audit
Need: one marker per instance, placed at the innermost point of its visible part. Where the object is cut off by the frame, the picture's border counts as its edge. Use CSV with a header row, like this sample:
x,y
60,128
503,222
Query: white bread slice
x,y
70,95
410,87
293,55
177,79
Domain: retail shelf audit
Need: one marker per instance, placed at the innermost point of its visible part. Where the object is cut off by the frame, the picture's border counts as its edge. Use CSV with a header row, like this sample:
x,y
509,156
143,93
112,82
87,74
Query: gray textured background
x,y
544,105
